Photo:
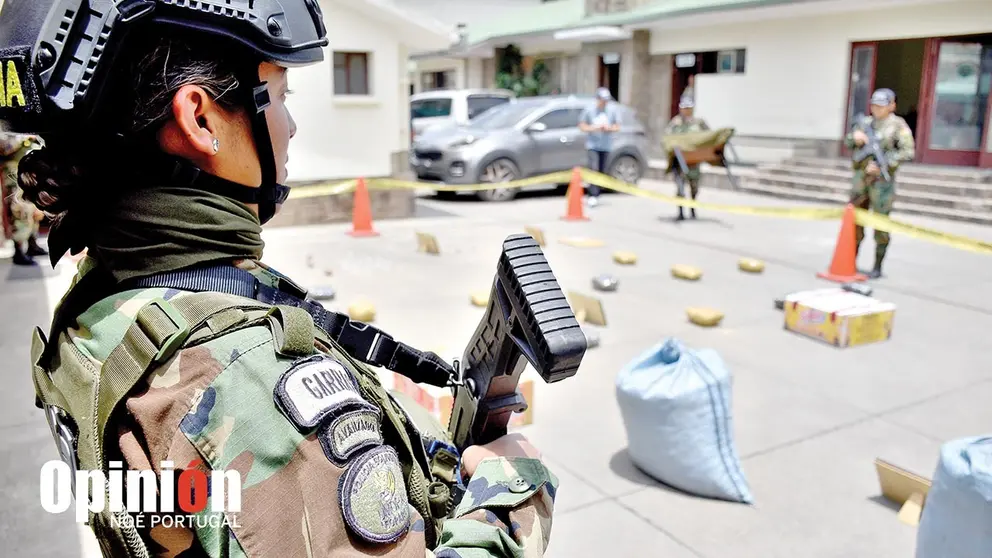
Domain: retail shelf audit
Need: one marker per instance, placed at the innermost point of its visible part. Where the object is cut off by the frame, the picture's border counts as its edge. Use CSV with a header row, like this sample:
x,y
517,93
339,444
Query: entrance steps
x,y
963,194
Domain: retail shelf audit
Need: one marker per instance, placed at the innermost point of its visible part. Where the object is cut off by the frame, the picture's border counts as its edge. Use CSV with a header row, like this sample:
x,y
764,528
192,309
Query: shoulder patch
x,y
372,496
313,388
18,95
351,432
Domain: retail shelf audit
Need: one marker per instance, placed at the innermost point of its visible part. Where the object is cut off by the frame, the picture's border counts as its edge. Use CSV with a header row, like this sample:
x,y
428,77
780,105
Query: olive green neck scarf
x,y
147,231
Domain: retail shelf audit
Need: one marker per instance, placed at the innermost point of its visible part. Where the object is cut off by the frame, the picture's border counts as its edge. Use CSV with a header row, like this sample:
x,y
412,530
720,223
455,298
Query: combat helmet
x,y
57,58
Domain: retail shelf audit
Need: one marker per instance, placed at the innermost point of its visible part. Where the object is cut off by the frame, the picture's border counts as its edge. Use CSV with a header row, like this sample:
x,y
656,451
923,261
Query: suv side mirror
x,y
537,127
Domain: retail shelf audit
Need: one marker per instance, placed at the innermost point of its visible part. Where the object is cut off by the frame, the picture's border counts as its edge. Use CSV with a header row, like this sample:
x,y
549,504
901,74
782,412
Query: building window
x,y
351,73
730,61
434,81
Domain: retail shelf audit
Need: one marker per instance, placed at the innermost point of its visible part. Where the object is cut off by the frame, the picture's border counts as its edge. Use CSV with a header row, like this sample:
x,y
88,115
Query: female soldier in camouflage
x,y
166,134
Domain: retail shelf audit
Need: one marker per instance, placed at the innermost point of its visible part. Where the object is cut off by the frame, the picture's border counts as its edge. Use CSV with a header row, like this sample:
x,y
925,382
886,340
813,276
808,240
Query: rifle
x,y
681,172
873,148
734,185
528,320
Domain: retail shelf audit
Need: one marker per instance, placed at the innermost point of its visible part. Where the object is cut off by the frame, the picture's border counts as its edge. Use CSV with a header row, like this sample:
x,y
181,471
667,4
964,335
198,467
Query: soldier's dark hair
x,y
55,177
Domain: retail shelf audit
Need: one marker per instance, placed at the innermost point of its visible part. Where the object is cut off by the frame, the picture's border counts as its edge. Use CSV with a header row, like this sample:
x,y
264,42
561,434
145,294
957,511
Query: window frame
x,y
450,101
504,99
347,86
577,110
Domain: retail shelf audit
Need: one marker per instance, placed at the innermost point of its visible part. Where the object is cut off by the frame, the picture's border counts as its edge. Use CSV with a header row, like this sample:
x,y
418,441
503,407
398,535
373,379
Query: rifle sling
x,y
363,342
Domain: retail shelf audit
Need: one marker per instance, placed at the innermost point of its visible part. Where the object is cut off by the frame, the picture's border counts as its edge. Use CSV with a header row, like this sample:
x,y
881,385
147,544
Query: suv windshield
x,y
504,116
429,108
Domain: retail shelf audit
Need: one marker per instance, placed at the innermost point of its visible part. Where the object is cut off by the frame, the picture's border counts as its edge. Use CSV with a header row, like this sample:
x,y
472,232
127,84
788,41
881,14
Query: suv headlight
x,y
463,142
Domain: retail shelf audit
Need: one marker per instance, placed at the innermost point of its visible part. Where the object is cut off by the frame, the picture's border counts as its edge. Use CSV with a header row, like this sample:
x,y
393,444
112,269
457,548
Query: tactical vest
x,y
81,401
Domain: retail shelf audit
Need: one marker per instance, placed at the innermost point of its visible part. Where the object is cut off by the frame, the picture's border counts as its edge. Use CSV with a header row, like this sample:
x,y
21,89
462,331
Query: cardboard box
x,y
438,401
839,317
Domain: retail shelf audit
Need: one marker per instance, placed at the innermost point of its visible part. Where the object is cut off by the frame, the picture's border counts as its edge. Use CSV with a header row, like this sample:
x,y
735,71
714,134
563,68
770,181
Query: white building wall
x,y
350,136
796,77
474,78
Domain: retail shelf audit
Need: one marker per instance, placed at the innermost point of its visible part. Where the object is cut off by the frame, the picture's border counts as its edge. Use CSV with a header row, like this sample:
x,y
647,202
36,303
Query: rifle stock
x,y
528,320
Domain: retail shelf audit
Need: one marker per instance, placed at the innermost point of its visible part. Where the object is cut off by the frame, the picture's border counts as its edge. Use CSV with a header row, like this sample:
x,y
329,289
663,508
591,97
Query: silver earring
x,y
216,144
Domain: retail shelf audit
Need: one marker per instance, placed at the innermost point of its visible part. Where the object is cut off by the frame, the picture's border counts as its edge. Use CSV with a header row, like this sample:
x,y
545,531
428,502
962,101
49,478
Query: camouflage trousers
x,y
692,180
24,225
877,195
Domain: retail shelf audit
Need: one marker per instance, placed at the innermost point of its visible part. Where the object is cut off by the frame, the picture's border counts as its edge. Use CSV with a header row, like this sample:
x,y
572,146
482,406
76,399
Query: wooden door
x,y
861,83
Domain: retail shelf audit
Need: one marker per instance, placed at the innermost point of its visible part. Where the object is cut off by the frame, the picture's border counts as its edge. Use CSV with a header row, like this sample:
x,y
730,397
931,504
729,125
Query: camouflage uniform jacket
x,y
304,494
682,125
895,136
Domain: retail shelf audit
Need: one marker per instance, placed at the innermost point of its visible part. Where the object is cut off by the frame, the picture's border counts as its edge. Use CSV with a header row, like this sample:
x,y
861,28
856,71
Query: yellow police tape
x,y
864,218
877,222
315,190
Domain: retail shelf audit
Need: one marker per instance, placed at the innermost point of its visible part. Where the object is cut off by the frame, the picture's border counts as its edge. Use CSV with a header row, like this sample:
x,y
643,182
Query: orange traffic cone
x,y
361,214
574,208
843,268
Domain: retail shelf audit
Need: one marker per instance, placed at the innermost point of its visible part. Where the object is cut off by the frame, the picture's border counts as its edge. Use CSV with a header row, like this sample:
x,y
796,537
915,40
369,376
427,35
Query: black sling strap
x,y
362,341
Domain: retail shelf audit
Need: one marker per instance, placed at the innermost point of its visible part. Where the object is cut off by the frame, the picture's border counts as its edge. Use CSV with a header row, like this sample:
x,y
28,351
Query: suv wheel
x,y
500,170
626,168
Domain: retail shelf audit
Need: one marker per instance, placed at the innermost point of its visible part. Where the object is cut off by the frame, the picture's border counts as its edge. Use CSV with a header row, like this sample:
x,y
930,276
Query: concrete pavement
x,y
809,419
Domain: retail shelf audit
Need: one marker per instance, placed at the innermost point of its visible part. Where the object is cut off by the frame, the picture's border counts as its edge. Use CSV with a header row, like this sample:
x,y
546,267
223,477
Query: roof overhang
x,y
416,31
728,12
595,34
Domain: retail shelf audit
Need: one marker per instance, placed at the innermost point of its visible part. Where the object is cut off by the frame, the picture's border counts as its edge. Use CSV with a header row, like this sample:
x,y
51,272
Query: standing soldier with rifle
x,y
683,123
21,214
881,142
177,350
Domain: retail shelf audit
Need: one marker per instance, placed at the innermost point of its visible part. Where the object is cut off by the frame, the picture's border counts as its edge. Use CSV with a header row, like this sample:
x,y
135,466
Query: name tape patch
x,y
314,388
372,496
17,88
350,433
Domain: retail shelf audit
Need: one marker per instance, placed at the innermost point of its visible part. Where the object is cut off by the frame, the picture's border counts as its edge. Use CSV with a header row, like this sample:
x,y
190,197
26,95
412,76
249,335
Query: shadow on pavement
x,y
885,502
422,210
688,222
25,440
622,466
549,192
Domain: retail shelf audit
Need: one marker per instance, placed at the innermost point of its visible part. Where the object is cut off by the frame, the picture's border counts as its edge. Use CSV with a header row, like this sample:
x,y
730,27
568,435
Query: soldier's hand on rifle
x,y
872,169
860,137
511,445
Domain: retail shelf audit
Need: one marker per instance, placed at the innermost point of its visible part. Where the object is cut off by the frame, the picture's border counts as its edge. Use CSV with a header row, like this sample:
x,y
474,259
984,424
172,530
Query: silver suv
x,y
525,137
456,106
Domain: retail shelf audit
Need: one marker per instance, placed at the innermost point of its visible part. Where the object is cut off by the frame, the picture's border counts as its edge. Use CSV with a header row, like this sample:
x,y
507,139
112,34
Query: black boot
x,y
681,216
876,272
21,258
33,249
692,212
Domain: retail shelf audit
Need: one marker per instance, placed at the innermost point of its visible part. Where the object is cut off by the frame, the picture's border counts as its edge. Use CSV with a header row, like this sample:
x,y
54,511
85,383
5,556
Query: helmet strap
x,y
271,193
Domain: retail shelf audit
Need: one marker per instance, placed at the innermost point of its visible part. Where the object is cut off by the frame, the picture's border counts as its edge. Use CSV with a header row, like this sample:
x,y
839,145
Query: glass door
x,y
959,110
985,159
863,60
